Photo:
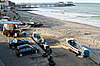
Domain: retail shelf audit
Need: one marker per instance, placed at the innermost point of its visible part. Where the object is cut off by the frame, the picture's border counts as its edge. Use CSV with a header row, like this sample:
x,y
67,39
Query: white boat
x,y
24,27
4,21
78,49
5,17
37,38
35,24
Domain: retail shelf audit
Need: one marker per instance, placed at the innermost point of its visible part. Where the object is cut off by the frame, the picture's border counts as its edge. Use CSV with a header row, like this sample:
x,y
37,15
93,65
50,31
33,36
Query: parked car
x,y
26,49
16,42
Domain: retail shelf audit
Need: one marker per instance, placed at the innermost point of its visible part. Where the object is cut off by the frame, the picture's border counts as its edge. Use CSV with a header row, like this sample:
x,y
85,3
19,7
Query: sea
x,y
84,13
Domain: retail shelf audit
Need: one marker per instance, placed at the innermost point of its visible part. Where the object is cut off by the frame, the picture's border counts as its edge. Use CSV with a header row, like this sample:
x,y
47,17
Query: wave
x,y
90,19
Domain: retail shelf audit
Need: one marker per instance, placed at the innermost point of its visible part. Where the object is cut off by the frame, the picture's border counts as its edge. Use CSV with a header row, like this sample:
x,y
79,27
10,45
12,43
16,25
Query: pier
x,y
58,4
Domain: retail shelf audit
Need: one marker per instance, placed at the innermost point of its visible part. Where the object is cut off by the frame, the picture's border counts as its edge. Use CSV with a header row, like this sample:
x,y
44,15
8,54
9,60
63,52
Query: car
x,y
16,42
26,49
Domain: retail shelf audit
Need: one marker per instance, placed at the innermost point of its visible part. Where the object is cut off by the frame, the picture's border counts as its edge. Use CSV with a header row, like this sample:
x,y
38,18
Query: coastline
x,y
56,31
64,20
78,31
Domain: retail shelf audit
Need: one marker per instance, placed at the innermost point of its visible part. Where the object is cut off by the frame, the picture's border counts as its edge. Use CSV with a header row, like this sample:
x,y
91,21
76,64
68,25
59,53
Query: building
x,y
6,3
1,4
11,4
62,4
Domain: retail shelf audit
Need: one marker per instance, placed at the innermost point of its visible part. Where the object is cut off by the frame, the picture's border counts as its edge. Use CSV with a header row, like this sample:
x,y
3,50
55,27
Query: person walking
x,y
51,62
0,15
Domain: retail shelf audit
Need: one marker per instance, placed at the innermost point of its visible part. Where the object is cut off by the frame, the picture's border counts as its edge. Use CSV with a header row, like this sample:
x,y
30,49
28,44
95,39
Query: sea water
x,y
85,13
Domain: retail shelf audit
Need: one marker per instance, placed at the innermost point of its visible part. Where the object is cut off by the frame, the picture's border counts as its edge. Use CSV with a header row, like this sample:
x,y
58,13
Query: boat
x,y
41,42
5,17
37,38
4,21
77,48
34,23
10,22
24,27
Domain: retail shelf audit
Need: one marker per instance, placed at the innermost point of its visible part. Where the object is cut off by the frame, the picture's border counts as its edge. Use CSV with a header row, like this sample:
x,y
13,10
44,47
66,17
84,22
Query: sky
x,y
38,1
88,1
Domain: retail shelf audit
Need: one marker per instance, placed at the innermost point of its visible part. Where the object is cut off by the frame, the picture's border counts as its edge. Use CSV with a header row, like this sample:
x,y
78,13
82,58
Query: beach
x,y
59,29
55,32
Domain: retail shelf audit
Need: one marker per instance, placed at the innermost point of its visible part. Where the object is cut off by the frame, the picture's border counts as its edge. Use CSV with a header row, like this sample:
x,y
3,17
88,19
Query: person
x,y
14,17
51,62
50,51
24,33
50,59
73,43
0,15
46,43
32,20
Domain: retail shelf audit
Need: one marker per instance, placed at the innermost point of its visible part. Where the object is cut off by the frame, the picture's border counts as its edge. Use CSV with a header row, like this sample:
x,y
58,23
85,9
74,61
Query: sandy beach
x,y
60,30
56,31
36,33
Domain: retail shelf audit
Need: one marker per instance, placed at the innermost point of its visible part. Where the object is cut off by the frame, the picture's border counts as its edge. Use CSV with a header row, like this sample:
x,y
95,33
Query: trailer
x,y
45,47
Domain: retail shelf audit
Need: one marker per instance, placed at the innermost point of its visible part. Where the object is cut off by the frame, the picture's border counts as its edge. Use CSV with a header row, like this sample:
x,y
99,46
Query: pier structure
x,y
43,5
58,4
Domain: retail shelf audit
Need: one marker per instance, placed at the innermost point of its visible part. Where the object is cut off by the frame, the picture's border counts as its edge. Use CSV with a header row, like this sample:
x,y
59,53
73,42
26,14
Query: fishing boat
x,y
10,22
78,49
34,23
24,27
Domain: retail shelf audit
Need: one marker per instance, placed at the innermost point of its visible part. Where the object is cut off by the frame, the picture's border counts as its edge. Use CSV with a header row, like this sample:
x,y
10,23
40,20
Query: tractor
x,y
11,30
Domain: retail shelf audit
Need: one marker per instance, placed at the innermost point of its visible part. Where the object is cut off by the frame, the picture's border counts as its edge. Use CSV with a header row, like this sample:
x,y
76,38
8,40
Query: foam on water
x,y
84,18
